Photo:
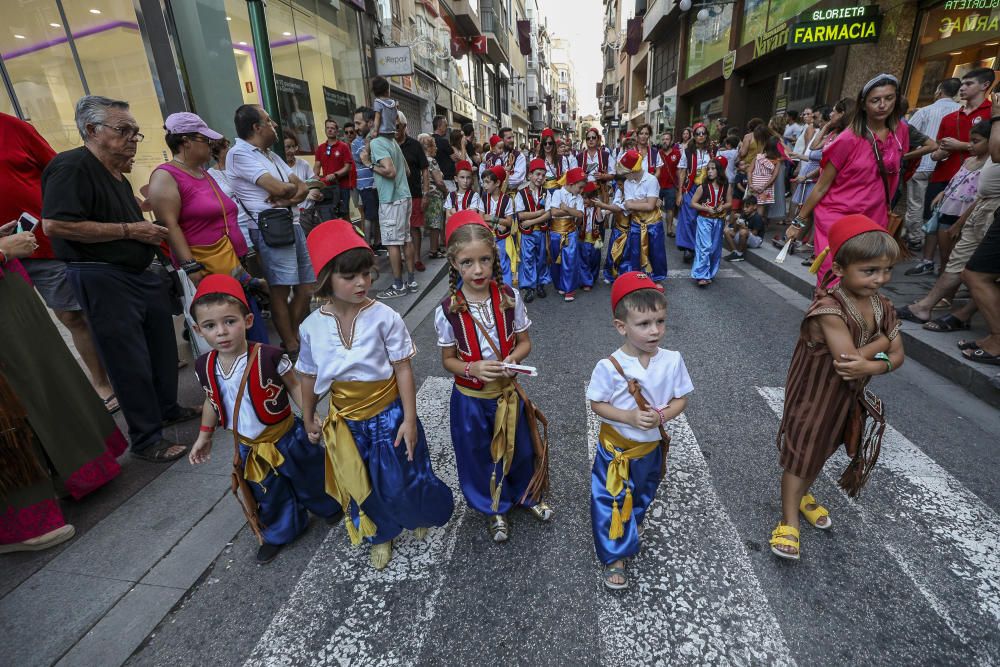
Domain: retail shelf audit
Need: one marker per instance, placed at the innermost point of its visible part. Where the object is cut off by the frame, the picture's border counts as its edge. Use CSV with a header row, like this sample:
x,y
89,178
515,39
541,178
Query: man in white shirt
x,y
261,181
928,121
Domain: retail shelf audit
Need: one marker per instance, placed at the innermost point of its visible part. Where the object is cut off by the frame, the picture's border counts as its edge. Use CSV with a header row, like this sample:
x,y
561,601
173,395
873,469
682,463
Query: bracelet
x,y
126,234
468,366
798,222
882,356
663,419
207,429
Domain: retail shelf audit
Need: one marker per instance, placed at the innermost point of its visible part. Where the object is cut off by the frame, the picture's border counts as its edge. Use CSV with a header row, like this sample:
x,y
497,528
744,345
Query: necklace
x,y
188,169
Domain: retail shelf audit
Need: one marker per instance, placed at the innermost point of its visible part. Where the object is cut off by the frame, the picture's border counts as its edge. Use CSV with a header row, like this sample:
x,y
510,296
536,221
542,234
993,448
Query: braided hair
x,y
459,239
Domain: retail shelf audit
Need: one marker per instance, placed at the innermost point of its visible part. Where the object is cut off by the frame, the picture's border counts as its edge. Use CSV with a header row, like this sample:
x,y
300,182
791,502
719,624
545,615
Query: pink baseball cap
x,y
189,123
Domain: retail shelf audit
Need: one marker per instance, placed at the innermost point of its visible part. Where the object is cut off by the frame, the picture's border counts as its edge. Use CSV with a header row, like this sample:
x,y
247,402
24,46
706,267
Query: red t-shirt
x,y
957,125
668,173
332,158
24,154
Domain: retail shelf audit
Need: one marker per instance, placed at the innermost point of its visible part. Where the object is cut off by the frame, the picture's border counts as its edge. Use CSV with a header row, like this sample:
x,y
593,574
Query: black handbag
x,y
275,224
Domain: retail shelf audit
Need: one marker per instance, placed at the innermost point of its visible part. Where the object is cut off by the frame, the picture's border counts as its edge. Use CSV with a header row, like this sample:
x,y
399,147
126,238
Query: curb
x,y
923,347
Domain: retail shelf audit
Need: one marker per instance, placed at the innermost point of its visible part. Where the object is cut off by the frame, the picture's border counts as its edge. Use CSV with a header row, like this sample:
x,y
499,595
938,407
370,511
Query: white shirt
x,y
928,120
517,177
539,197
245,165
229,384
657,160
482,311
492,206
563,197
377,339
647,186
474,202
702,157
591,216
731,155
568,162
665,379
222,181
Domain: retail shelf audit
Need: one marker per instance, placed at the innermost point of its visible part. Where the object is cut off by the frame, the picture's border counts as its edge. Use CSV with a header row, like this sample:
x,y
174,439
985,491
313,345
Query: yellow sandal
x,y
814,515
780,537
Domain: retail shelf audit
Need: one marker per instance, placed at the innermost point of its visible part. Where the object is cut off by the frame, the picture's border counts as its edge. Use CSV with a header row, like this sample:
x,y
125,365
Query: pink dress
x,y
207,213
857,187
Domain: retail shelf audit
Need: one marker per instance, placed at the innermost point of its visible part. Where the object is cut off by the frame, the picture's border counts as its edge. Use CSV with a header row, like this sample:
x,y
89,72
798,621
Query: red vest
x,y
267,391
466,200
467,331
495,206
532,205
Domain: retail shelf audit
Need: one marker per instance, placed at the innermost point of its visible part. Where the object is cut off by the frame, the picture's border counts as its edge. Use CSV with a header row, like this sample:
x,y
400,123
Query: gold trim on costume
x,y
622,450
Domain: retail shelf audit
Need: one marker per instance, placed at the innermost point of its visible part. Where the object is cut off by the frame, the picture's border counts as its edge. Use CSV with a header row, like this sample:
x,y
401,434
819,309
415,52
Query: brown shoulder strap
x,y
239,486
251,357
636,391
486,334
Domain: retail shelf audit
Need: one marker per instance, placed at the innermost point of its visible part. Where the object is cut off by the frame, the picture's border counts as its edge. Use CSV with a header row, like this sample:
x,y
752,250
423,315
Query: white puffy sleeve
x,y
521,321
306,364
445,334
601,385
398,343
679,380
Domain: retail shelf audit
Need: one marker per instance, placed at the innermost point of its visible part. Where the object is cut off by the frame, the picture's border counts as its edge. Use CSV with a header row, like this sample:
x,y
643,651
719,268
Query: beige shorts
x,y
973,231
394,222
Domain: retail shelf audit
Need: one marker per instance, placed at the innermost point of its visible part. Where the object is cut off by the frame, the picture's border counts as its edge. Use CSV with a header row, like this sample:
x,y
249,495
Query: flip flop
x,y
905,313
946,323
611,572
968,345
112,409
158,453
982,356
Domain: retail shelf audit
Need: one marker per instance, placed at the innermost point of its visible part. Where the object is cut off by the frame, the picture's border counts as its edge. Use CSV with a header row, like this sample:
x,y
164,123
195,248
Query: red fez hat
x,y
332,238
723,162
463,165
698,126
627,283
547,132
494,140
631,161
575,175
499,172
467,217
537,163
220,283
842,231
591,186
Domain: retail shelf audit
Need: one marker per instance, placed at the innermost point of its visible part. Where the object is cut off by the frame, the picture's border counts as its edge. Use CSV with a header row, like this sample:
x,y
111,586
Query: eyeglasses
x,y
199,138
349,131
129,132
548,143
593,136
701,134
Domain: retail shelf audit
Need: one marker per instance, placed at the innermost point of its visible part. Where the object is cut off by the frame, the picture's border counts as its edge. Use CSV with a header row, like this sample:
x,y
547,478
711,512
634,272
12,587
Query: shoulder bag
x,y
275,224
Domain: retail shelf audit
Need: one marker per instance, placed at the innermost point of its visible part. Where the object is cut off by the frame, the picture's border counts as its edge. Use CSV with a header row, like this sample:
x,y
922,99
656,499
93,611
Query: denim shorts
x,y
285,266
49,277
669,198
369,204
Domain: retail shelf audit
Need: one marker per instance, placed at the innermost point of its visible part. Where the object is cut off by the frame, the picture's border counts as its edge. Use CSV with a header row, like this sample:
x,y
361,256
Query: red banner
x,y
459,47
478,44
524,37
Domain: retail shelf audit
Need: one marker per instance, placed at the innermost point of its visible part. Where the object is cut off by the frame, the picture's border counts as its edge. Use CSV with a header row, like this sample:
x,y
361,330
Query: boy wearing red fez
x,y
643,246
277,464
497,208
464,198
849,334
635,392
565,205
533,227
495,157
591,236
359,350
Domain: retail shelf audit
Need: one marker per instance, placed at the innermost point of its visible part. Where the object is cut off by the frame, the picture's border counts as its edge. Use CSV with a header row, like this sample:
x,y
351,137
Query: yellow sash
x,y
504,427
645,219
346,475
512,246
622,450
264,455
218,257
618,247
552,183
564,227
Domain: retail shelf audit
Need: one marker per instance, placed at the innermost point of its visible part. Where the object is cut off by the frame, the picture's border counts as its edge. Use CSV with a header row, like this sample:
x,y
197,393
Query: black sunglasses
x,y
701,134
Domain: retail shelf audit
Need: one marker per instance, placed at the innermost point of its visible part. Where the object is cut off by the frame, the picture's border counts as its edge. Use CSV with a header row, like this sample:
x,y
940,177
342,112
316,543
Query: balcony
x,y
494,25
531,89
466,17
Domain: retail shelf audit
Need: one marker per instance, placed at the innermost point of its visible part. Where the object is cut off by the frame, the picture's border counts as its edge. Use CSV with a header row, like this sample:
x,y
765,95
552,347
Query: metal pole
x,y
262,54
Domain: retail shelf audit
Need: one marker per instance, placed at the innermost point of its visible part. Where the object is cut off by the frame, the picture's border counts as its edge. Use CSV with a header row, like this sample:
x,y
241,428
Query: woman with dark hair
x,y
557,160
861,167
650,154
691,171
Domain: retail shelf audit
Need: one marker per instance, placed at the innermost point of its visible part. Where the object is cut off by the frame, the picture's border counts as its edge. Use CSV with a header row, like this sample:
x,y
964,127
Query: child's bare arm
x,y
674,408
376,124
644,419
307,392
408,431
201,450
293,387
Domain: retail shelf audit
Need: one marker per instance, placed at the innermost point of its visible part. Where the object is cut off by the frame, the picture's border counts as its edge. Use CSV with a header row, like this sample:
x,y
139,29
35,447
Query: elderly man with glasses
x,y
91,214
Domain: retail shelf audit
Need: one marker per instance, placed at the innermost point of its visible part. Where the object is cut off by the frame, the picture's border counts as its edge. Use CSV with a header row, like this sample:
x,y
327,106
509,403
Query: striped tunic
x,y
817,400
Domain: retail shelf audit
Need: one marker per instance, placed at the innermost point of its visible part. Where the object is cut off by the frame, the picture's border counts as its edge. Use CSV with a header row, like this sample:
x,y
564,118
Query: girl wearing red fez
x,y
556,165
502,459
849,334
497,209
358,349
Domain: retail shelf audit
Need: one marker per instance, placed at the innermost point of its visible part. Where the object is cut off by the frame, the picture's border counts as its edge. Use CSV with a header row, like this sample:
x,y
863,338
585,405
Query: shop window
x,y
665,65
759,16
803,86
709,38
952,42
5,104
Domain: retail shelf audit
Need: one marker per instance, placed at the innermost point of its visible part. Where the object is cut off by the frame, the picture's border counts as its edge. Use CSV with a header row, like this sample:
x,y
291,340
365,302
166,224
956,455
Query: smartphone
x,y
26,222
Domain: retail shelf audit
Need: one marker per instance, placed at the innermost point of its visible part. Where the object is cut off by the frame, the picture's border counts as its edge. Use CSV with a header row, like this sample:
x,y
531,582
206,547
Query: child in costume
x,y
849,334
495,157
502,459
565,205
643,247
711,201
464,197
498,212
359,350
277,468
533,224
592,236
635,392
619,229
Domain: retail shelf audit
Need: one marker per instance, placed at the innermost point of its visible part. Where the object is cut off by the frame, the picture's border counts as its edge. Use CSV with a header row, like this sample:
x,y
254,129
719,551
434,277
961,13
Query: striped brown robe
x,y
817,400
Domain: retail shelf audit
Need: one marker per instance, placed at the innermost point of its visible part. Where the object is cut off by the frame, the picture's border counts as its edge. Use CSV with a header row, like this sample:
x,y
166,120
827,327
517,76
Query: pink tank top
x,y
207,213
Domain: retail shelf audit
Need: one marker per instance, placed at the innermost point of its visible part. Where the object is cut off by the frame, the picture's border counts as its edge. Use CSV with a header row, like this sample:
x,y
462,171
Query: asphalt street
x,y
909,573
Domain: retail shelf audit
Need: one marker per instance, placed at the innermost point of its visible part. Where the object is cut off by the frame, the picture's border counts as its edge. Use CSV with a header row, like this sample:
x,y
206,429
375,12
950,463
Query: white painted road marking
x,y
723,273
943,536
305,623
690,600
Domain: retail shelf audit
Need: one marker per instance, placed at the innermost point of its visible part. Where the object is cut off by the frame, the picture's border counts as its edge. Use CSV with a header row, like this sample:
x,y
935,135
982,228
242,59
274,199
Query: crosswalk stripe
x,y
723,273
689,601
306,631
942,536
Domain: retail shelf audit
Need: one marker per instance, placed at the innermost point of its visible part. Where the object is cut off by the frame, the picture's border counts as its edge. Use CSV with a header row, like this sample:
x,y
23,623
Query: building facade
x,y
563,75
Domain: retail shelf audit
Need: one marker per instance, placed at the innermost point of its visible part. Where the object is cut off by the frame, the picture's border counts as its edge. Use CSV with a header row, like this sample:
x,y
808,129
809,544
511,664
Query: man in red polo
x,y
333,167
953,148
670,155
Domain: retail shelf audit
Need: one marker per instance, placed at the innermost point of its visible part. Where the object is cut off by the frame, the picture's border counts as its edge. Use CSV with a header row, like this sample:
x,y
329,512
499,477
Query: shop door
x,y
760,99
414,114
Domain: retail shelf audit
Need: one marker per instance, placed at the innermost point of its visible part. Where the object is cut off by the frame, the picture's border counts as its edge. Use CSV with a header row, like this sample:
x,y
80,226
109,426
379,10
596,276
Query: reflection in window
x,y
803,86
709,39
759,16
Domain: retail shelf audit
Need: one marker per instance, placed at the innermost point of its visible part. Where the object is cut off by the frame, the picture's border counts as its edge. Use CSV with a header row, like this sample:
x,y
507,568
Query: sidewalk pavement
x,y
937,351
142,541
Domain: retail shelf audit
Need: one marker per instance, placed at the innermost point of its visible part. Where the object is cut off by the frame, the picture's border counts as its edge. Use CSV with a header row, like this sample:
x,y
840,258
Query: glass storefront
x,y
804,86
759,16
48,80
708,39
955,37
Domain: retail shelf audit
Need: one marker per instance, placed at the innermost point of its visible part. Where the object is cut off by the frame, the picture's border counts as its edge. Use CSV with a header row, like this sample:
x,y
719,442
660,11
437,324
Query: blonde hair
x,y
460,238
